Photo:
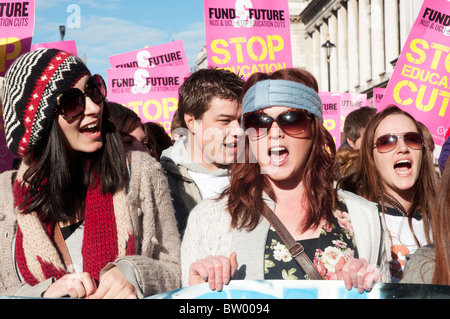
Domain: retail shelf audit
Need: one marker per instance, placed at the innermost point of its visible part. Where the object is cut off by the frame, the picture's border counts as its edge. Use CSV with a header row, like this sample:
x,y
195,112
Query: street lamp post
x,y
328,46
62,31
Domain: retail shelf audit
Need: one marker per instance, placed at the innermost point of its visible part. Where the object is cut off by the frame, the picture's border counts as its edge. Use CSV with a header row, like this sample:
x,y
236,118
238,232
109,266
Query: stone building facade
x,y
368,36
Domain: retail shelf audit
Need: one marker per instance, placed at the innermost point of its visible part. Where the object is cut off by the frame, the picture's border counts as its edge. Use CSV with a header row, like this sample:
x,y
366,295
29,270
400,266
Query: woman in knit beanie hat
x,y
77,223
287,173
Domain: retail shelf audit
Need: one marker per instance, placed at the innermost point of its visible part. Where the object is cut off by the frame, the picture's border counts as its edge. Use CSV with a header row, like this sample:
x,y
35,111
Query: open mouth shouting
x,y
278,155
403,167
91,130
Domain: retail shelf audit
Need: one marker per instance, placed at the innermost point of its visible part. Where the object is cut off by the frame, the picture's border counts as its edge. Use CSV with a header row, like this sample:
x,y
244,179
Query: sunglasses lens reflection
x,y
413,140
292,122
387,143
72,103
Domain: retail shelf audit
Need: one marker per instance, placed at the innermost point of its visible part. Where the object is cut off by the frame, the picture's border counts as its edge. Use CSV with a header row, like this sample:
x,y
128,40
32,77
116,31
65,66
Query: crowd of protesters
x,y
101,205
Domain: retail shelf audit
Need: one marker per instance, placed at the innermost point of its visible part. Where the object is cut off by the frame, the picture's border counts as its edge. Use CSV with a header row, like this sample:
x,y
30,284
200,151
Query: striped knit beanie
x,y
30,88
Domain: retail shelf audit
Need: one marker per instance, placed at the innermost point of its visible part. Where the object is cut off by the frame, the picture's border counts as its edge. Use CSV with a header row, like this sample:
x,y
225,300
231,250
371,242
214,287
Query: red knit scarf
x,y
105,237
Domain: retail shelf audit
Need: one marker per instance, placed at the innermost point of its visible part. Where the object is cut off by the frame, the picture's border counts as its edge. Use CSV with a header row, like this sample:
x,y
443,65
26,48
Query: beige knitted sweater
x,y
156,266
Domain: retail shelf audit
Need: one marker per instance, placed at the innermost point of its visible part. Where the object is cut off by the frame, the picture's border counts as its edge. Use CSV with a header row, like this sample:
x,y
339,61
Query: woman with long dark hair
x,y
73,221
286,172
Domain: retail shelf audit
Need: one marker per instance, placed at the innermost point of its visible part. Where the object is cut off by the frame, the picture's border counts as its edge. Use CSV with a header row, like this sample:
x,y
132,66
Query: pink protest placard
x,y
150,92
351,102
248,36
17,26
68,46
16,32
420,83
378,94
170,54
331,107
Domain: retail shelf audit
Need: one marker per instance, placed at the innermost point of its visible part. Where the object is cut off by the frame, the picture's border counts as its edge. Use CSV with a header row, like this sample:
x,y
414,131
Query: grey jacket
x,y
177,163
419,268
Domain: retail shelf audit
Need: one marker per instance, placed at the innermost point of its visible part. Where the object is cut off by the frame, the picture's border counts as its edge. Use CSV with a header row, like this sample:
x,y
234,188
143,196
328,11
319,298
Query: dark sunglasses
x,y
388,142
293,122
72,103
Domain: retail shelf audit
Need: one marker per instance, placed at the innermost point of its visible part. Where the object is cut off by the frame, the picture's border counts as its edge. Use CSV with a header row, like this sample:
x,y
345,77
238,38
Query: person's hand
x,y
73,285
357,273
217,271
114,286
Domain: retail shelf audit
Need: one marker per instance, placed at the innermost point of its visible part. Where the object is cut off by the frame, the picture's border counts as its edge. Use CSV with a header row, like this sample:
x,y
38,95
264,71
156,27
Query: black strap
x,y
295,248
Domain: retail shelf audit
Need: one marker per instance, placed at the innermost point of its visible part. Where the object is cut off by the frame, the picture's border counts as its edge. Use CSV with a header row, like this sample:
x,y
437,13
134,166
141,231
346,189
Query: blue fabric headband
x,y
269,93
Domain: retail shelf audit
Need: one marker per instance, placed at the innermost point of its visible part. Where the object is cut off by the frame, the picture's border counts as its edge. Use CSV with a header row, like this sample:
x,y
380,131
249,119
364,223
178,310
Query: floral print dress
x,y
335,241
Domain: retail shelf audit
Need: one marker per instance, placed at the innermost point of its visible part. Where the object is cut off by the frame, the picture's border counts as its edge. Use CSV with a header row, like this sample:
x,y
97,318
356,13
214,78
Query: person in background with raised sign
x,y
196,165
73,221
292,179
395,170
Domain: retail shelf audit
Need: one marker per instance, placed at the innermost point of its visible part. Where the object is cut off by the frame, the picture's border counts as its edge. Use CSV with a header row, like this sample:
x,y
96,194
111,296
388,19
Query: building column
x,y
408,12
392,34
316,55
297,44
365,58
377,37
353,44
342,49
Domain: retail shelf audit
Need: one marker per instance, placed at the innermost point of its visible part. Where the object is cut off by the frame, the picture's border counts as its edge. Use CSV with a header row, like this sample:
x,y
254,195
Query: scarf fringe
x,y
108,234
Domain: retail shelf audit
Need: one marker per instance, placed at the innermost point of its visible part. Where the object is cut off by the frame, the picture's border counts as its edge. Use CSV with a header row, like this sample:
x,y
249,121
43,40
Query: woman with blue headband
x,y
287,172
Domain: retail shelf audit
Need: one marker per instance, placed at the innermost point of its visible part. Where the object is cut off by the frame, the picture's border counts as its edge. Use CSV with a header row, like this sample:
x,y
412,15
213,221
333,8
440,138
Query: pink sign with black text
x,y
151,93
16,32
147,81
378,94
248,36
420,84
331,107
68,46
165,55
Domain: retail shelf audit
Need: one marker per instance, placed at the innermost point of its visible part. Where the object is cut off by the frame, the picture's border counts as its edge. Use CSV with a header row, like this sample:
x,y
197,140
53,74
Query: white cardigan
x,y
208,232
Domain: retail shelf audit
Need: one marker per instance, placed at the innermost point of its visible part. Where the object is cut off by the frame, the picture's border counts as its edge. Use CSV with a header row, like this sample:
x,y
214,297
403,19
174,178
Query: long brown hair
x,y
440,225
367,182
247,184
